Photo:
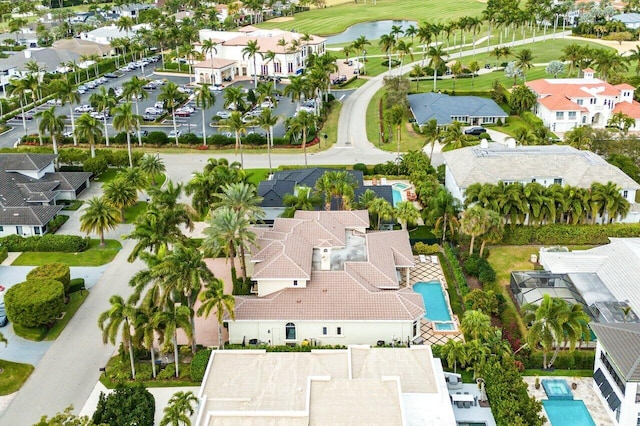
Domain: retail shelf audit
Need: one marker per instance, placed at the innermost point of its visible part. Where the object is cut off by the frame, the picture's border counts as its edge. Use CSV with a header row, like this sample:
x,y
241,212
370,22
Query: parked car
x,y
54,102
266,104
339,80
149,117
27,116
154,111
475,131
175,134
149,86
182,113
143,133
99,115
217,88
101,80
3,316
83,108
111,75
223,114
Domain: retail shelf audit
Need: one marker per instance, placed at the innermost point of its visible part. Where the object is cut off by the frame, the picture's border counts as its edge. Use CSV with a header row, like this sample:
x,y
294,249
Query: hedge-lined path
x,y
11,256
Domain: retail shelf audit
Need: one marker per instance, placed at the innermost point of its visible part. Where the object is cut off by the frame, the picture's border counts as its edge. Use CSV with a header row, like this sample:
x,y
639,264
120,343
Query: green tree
x,y
224,234
152,166
406,213
381,209
454,137
266,120
120,194
133,90
173,317
51,123
98,217
66,92
474,223
437,57
476,324
180,409
88,129
621,121
483,301
522,99
118,321
213,298
235,124
171,97
204,100
251,50
524,61
303,122
126,121
454,352
66,418
126,405
103,101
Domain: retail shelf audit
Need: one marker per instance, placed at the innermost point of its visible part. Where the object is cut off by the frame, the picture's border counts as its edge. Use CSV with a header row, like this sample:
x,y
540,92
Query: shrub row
x,y
422,248
477,266
566,360
52,271
458,275
199,364
57,222
35,303
4,253
48,242
76,284
553,234
298,348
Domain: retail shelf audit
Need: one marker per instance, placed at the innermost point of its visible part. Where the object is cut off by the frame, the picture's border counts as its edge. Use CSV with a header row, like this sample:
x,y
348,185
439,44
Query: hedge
x,y
52,271
76,284
566,360
422,248
4,253
561,234
458,275
57,222
35,303
199,364
48,242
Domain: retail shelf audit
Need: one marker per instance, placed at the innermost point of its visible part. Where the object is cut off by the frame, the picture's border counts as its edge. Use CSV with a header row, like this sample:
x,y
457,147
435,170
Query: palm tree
x,y
234,98
132,89
266,120
437,56
336,185
359,44
125,120
304,198
387,43
152,166
406,213
104,102
417,71
454,137
170,96
208,48
121,195
66,92
213,297
125,23
118,320
494,230
235,124
89,129
443,212
295,89
524,61
609,62
634,56
241,197
224,234
204,100
174,316
180,409
251,50
474,67
98,217
454,352
473,222
381,209
404,48
431,132
51,123
302,122
134,177
145,330
476,324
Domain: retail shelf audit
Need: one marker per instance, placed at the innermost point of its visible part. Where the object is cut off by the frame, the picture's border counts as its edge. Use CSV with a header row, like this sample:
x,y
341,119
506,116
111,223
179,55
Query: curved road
x,y
67,373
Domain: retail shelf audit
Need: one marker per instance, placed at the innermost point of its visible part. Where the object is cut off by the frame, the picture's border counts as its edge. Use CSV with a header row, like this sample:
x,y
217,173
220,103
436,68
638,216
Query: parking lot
x,y
188,120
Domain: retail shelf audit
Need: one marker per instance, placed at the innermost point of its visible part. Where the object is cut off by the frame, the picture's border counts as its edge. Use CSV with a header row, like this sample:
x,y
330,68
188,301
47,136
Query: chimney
x,y
325,259
588,73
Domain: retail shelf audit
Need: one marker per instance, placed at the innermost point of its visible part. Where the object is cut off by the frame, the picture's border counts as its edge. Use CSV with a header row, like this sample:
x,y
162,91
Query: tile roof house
x,y
29,190
546,164
630,20
231,43
285,182
616,378
358,385
566,103
322,277
445,109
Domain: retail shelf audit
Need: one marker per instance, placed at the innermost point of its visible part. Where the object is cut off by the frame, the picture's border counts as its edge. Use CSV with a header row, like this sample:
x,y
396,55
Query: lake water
x,y
371,30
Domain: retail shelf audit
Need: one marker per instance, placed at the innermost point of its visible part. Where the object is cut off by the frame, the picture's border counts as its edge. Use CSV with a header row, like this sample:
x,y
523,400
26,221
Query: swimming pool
x,y
557,389
397,197
435,304
563,412
401,186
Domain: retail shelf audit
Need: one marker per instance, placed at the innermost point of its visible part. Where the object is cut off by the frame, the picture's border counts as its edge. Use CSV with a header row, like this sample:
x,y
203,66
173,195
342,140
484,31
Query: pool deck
x,y
430,271
476,413
584,391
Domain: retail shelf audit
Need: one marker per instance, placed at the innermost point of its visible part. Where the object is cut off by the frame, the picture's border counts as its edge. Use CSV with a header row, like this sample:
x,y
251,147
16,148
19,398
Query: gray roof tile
x,y
622,343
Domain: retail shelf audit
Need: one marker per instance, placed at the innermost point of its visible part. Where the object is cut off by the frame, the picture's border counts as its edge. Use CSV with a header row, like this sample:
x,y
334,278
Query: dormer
x,y
588,73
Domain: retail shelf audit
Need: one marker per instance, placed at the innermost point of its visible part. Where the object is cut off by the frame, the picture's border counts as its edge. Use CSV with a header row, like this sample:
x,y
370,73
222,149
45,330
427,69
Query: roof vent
x,y
299,301
16,214
324,290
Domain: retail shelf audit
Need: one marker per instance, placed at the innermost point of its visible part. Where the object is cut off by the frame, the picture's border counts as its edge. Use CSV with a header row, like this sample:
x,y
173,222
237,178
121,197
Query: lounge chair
x,y
459,404
467,404
423,258
434,259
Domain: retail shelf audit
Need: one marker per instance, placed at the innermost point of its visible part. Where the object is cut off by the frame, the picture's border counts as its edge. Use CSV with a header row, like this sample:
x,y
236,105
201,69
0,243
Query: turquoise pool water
x,y
397,197
434,302
401,186
562,412
557,389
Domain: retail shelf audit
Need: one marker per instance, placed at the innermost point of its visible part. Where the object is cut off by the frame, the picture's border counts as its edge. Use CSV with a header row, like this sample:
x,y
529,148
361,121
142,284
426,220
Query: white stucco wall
x,y
27,230
353,332
271,286
452,186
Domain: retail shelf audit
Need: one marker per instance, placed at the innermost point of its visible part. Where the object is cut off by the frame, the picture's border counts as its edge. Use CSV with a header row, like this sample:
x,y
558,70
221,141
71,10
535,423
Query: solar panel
x,y
613,401
598,377
606,389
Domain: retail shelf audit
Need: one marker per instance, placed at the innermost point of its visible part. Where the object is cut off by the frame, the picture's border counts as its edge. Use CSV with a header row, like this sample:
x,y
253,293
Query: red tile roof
x,y
630,109
560,103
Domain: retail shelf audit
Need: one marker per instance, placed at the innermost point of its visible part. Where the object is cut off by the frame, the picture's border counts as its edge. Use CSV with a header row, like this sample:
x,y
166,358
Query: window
x,y
277,67
533,179
1,228
290,331
415,328
36,230
584,119
558,181
325,331
19,230
560,115
612,371
290,67
295,283
579,101
625,193
339,331
572,115
592,101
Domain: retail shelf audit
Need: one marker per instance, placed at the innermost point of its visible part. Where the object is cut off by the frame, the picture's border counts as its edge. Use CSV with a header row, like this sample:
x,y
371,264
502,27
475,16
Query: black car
x,y
475,131
27,116
149,87
111,75
143,133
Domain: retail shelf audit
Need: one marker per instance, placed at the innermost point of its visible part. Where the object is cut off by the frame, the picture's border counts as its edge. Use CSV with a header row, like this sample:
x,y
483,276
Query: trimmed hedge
x,y
4,253
52,271
57,222
199,364
35,303
76,284
555,234
422,248
48,242
458,275
566,360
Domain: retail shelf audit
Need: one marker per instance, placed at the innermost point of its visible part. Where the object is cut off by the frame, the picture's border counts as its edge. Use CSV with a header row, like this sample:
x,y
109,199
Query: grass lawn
x,y
115,365
565,373
133,212
330,128
74,205
409,140
107,176
255,176
13,376
335,19
93,256
353,84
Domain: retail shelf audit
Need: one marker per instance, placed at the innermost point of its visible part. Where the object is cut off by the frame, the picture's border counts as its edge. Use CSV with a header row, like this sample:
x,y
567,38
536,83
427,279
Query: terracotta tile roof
x,y
573,87
332,295
216,63
630,109
269,39
624,86
560,103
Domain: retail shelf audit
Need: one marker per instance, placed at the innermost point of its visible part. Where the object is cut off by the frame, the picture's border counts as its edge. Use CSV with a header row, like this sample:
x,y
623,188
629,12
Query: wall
x,y
27,230
353,332
266,287
452,186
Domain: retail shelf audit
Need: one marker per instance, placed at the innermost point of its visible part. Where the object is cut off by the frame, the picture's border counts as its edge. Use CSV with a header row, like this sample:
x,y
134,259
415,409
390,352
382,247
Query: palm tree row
x,y
534,203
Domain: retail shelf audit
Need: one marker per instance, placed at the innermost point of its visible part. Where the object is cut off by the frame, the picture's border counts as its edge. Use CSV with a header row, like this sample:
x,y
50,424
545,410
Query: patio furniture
x,y
467,404
459,404
423,258
434,259
461,398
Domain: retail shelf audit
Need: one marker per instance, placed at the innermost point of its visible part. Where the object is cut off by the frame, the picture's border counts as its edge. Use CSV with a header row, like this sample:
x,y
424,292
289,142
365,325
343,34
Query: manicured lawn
x,y
132,213
335,19
116,367
76,300
93,256
74,205
255,176
330,128
565,373
421,232
505,259
107,176
409,140
13,376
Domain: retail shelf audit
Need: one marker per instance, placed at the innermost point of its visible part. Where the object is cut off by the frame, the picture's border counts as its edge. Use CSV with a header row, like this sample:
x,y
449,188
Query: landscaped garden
x,y
12,376
93,255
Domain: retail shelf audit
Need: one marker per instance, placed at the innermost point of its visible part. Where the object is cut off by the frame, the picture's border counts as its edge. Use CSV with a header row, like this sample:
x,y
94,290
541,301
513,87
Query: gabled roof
x,y
273,191
519,164
426,106
215,63
622,343
28,216
631,109
627,18
25,162
560,103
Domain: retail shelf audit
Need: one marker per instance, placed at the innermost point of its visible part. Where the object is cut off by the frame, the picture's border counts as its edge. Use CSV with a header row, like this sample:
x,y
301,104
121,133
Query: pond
x,y
371,30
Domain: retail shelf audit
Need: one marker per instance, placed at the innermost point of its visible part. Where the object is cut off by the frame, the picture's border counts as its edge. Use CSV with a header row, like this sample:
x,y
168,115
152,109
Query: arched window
x,y
290,331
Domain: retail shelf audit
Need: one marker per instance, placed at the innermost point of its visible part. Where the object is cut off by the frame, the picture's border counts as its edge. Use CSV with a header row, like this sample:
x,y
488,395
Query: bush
x,y
126,406
199,364
4,253
189,139
76,284
157,138
257,139
168,373
35,303
97,165
57,222
566,360
458,275
531,119
422,248
361,167
562,234
471,265
52,271
486,274
48,242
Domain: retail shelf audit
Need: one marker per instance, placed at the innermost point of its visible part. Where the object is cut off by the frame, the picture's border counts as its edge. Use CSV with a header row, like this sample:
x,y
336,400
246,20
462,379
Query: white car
x,y
223,114
54,102
248,118
266,104
159,105
118,91
67,134
99,115
154,111
175,134
83,108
